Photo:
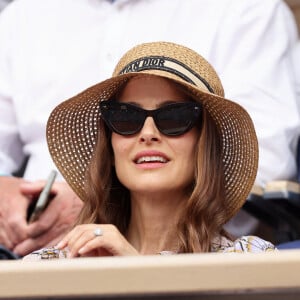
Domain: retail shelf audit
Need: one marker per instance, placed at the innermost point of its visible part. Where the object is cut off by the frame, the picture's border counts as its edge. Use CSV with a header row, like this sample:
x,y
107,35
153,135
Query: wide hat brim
x,y
72,132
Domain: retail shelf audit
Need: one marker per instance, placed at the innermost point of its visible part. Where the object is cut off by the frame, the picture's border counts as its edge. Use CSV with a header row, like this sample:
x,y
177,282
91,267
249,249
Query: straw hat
x,y
73,125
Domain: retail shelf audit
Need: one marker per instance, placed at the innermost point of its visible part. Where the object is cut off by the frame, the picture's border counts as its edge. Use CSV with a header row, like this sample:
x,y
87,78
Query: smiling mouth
x,y
151,159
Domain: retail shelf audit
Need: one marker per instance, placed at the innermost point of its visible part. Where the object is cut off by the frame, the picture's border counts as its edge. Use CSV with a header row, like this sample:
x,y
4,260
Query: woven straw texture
x,y
72,128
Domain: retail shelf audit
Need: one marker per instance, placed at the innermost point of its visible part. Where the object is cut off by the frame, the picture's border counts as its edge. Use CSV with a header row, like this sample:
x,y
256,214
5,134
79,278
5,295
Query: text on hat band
x,y
169,65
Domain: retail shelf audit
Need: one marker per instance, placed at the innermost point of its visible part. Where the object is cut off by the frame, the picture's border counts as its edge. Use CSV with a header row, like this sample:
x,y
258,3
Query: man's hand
x,y
13,212
54,222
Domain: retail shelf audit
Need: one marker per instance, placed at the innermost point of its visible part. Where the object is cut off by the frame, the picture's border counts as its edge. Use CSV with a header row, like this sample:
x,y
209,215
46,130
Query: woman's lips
x,y
151,159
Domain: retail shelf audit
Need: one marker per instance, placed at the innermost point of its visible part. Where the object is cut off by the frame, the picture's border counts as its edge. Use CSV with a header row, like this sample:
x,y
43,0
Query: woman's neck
x,y
152,227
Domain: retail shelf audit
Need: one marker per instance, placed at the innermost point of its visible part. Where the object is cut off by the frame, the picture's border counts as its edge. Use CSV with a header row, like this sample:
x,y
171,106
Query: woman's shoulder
x,y
46,253
251,244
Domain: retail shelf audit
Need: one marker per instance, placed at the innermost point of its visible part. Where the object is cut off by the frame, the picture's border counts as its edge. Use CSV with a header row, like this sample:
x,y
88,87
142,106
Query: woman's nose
x,y
149,132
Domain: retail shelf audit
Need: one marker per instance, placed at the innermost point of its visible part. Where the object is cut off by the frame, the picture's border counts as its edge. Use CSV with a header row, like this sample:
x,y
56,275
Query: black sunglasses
x,y
172,119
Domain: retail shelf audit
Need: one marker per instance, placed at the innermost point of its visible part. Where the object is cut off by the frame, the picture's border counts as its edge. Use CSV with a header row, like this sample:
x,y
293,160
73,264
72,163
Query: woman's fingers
x,y
79,242
96,240
72,236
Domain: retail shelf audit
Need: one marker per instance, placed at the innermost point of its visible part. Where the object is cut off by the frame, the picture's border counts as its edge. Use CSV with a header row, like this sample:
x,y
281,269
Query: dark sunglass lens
x,y
177,119
124,118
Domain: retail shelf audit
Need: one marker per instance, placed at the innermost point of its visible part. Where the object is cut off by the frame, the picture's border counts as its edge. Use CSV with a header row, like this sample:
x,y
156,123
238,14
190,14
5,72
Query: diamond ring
x,y
98,232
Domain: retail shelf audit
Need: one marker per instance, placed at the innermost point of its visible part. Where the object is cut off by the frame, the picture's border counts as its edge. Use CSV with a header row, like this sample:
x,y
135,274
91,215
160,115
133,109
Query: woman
x,y
160,158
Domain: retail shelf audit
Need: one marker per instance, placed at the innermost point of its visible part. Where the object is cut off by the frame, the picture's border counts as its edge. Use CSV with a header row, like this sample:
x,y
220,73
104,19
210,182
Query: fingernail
x,y
59,245
81,250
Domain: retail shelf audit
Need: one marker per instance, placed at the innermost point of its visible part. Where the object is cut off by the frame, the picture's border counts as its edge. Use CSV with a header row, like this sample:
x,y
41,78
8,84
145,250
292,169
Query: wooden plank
x,y
186,273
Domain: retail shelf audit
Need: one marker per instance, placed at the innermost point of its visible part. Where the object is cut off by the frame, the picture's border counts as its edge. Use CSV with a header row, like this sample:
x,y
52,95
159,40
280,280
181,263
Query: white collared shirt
x,y
52,49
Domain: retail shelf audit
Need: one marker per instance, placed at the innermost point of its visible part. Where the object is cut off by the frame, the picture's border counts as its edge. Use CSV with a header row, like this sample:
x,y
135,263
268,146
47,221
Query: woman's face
x,y
149,161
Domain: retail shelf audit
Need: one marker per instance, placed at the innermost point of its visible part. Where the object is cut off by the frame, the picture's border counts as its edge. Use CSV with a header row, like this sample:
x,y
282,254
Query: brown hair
x,y
204,214
108,201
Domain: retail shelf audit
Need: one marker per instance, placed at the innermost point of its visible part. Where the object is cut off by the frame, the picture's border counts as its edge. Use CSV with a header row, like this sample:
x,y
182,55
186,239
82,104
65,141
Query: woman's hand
x,y
84,241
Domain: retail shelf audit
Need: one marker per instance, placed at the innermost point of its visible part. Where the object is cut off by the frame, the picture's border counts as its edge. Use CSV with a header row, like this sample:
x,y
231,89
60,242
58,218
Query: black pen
x,y
44,198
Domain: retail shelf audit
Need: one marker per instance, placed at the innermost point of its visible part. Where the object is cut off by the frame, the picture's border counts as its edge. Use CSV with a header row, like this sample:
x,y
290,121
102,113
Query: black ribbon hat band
x,y
168,65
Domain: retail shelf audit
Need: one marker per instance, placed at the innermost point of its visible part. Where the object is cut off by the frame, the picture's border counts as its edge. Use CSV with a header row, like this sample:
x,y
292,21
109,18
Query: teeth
x,y
151,159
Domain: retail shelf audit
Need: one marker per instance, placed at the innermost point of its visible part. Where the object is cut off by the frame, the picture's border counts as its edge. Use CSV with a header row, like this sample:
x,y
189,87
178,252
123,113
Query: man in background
x,y
3,3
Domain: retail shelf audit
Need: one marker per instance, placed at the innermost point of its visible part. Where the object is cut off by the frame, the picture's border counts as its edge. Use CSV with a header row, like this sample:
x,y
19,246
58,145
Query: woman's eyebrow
x,y
158,105
167,102
172,102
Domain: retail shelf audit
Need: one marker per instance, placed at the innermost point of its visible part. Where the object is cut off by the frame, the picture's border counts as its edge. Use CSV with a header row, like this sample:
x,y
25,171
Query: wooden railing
x,y
272,275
